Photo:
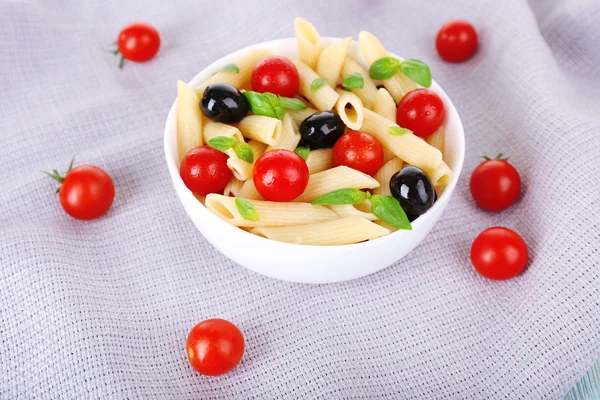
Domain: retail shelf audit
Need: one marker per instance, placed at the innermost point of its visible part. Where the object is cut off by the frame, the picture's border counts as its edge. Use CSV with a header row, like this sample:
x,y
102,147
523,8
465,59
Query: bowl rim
x,y
284,246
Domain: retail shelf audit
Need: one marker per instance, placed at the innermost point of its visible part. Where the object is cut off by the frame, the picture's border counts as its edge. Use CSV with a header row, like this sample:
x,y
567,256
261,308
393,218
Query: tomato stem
x,y
57,176
500,157
122,62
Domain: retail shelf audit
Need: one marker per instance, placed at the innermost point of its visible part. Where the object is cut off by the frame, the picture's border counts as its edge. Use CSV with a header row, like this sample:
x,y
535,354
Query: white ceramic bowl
x,y
302,263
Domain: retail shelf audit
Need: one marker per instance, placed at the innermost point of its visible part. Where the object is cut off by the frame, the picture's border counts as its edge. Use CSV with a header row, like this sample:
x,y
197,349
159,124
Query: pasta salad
x,y
317,150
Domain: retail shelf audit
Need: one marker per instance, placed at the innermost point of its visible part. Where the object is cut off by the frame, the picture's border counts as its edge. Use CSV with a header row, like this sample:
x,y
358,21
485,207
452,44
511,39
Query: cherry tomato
x,y
360,151
276,74
204,170
422,111
280,175
456,41
138,42
214,346
499,253
495,185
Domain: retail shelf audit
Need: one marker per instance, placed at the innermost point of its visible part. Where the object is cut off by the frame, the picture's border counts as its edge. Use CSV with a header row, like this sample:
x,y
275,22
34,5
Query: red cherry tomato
x,y
360,151
422,111
456,41
276,74
499,253
280,175
204,170
214,347
138,42
495,185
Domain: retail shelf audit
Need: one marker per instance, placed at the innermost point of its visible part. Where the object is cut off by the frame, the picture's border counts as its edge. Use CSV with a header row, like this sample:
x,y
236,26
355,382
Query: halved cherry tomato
x,y
499,253
138,42
422,111
204,170
214,346
276,74
360,151
495,184
280,175
456,41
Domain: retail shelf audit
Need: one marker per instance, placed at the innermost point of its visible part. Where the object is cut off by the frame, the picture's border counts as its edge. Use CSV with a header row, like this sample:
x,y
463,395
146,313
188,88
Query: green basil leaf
x,y
417,71
353,81
302,151
260,104
342,196
291,104
388,209
246,210
397,131
384,68
244,152
222,143
274,100
317,84
229,68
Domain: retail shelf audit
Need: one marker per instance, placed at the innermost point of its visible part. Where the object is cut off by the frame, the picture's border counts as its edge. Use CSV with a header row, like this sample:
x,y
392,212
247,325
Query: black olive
x,y
224,103
321,130
413,189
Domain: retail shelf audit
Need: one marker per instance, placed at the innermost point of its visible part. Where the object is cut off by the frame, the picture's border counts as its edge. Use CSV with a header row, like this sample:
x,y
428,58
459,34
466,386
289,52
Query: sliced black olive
x,y
413,189
224,103
321,130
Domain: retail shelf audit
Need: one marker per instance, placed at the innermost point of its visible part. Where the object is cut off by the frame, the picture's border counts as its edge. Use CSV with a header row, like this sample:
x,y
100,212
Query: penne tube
x,y
233,187
264,129
270,213
245,63
384,105
362,210
319,160
189,120
408,147
387,155
331,59
309,42
384,175
369,90
437,138
240,168
333,179
329,233
350,109
290,137
441,175
387,226
300,115
323,98
248,191
372,50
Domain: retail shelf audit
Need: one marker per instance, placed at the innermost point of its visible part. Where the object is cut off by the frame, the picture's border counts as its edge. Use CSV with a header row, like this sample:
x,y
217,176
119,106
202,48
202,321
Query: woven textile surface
x,y
102,309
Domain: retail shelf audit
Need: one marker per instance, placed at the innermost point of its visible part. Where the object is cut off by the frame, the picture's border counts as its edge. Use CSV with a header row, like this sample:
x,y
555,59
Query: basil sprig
x,y
317,84
246,210
353,81
228,68
416,70
386,208
397,131
241,149
271,105
302,151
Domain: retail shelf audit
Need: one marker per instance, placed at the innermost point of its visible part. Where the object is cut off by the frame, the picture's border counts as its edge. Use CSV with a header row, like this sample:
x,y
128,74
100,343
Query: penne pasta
x,y
369,90
441,175
270,213
387,155
333,179
408,147
362,210
264,129
248,191
233,187
437,138
300,115
189,120
384,105
384,175
331,59
309,42
372,50
240,168
245,64
323,98
290,137
329,233
387,226
350,109
319,160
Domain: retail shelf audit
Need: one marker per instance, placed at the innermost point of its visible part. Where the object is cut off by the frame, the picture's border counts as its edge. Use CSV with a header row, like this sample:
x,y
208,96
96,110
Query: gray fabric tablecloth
x,y
102,309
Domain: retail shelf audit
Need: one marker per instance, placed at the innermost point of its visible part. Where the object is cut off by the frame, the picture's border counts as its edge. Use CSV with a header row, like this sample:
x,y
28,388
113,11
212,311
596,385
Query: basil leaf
x,y
260,104
388,209
229,68
353,81
417,71
291,104
222,143
397,131
246,210
302,152
317,84
342,196
384,68
244,151
274,100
